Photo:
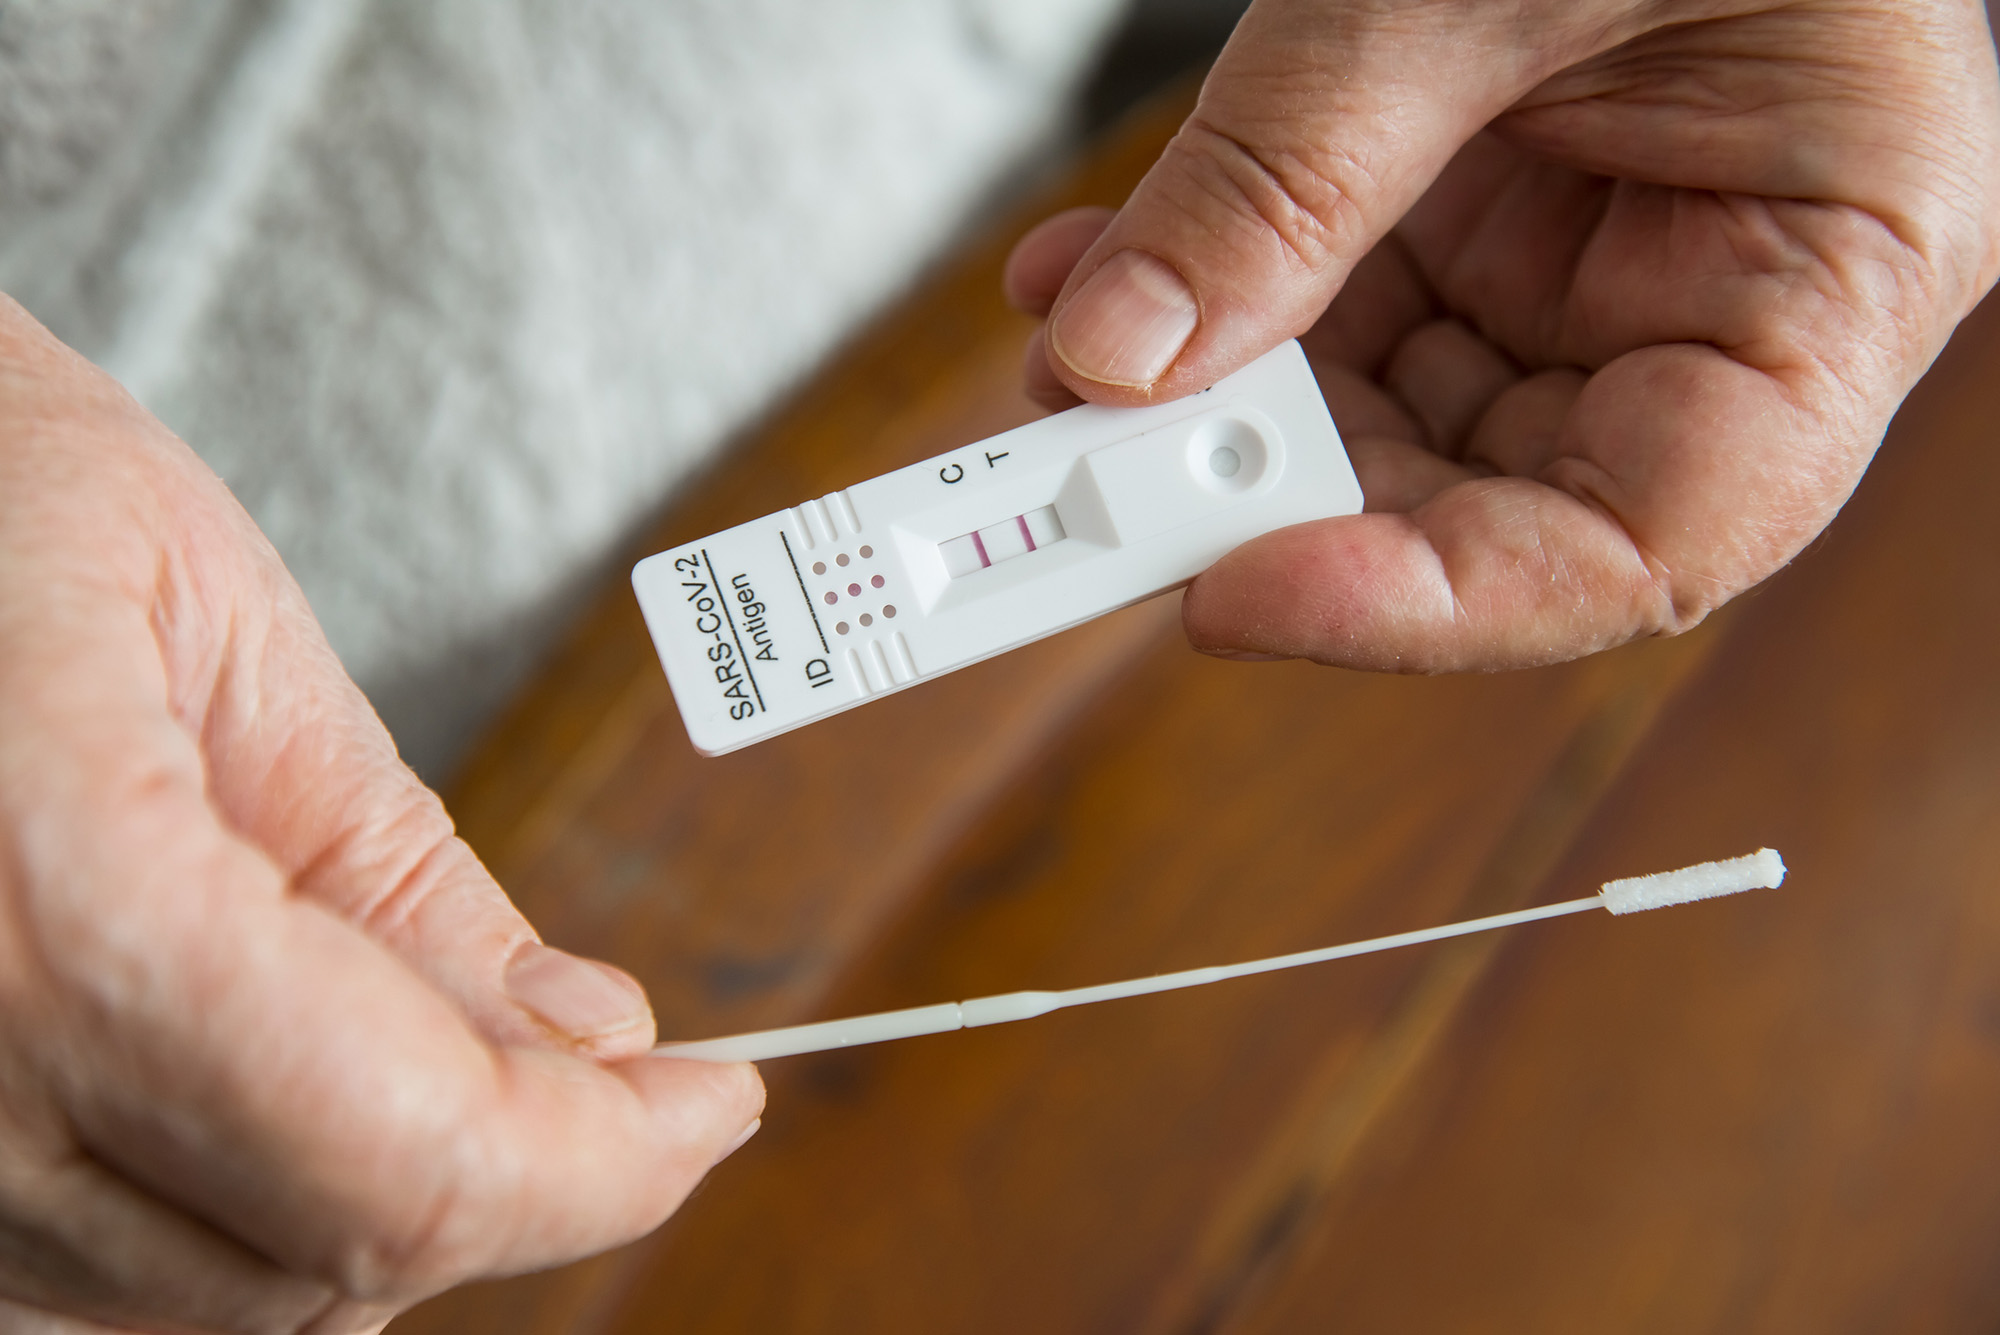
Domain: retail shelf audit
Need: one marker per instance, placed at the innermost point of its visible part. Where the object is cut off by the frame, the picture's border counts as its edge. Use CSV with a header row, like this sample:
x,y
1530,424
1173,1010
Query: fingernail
x,y
1128,321
1244,656
742,1138
574,995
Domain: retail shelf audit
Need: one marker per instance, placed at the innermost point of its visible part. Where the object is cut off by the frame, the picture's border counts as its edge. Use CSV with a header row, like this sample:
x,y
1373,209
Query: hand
x,y
1611,301
276,1054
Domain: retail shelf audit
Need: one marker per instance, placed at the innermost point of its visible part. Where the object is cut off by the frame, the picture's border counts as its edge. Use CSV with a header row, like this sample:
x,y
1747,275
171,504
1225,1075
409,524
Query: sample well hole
x,y
867,552
819,567
1230,455
840,628
840,560
832,597
877,581
867,620
854,590
889,611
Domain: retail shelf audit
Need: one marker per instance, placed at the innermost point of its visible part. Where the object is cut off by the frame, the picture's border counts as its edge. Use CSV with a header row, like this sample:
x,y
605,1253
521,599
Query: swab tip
x,y
1762,870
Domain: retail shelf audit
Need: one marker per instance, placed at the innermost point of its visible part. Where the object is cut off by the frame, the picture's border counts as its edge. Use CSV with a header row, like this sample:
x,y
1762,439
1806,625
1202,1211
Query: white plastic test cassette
x,y
786,619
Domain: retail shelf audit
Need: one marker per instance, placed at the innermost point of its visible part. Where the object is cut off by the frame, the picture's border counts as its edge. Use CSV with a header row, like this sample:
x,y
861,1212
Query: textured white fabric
x,y
451,293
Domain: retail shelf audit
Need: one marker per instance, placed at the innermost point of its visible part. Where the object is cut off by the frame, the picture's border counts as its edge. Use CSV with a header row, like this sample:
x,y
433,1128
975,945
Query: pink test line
x,y
1026,536
980,547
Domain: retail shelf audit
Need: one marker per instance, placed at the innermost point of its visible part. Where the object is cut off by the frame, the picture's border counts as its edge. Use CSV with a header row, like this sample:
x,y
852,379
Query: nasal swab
x,y
1763,869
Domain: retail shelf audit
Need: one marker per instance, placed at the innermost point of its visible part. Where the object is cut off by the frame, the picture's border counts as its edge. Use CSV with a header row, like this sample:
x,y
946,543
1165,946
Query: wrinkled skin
x,y
1611,301
276,1054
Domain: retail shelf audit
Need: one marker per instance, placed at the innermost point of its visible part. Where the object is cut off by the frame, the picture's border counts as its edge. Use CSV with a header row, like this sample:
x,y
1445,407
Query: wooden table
x,y
1775,1113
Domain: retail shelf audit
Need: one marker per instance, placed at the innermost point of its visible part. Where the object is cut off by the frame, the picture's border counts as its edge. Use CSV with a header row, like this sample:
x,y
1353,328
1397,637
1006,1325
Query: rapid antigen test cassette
x,y
775,623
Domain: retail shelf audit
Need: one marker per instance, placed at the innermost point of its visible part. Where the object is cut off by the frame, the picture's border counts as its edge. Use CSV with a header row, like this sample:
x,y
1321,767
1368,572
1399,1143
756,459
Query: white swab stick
x,y
1763,869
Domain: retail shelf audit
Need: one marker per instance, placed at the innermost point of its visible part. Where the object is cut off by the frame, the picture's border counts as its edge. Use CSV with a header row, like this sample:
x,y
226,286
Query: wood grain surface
x,y
1773,1113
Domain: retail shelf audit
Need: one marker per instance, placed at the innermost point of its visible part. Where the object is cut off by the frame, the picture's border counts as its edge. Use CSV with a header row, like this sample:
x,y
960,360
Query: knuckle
x,y
386,866
1304,196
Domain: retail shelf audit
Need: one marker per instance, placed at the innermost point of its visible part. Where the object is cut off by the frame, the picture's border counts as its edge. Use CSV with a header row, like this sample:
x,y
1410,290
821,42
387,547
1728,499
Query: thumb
x,y
1320,124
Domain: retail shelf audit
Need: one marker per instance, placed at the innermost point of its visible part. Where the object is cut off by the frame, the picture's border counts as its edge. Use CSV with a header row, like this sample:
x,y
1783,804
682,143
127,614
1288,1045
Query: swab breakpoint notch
x,y
1762,870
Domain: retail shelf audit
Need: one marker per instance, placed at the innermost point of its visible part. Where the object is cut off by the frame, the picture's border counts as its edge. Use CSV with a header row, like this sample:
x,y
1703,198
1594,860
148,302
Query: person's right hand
x,y
276,1054
1612,299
